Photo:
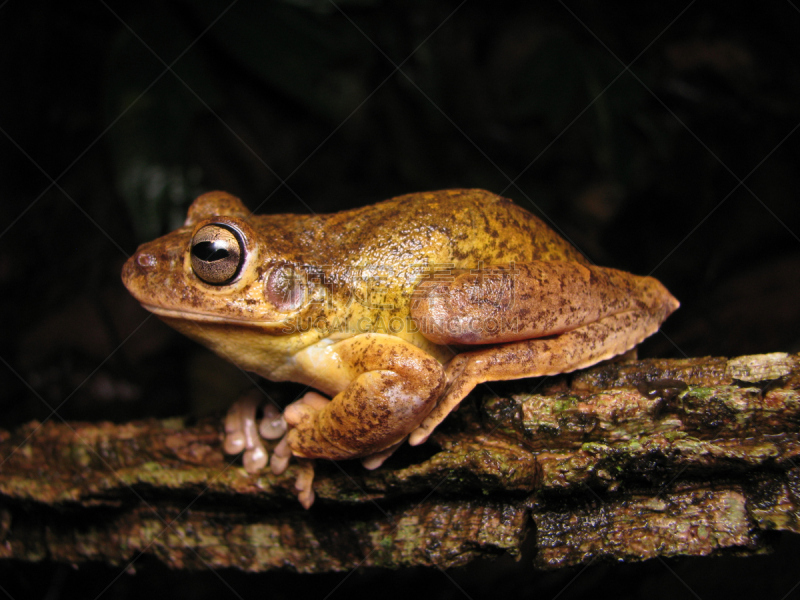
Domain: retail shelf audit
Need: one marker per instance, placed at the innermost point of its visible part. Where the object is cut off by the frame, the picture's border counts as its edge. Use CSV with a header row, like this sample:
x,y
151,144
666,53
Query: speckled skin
x,y
387,311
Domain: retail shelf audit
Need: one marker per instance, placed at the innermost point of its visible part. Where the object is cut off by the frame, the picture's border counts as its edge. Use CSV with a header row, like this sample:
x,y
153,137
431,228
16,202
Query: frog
x,y
390,314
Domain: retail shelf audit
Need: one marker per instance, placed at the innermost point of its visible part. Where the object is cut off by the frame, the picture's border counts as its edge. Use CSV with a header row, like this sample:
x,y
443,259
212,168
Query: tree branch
x,y
625,461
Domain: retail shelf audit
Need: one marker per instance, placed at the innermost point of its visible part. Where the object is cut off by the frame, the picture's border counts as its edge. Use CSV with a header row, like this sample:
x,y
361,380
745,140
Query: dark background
x,y
660,139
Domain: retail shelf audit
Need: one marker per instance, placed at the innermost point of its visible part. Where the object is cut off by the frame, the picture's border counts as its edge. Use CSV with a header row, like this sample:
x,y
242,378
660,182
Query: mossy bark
x,y
625,461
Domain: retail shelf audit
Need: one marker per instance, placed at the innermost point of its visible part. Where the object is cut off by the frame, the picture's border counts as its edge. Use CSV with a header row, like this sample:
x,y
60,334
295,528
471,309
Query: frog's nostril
x,y
145,260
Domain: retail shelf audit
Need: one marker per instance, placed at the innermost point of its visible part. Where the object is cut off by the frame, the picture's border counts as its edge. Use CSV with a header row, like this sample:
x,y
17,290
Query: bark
x,y
624,461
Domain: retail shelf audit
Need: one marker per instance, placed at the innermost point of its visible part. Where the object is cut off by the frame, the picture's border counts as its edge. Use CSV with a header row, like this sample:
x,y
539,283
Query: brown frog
x,y
394,311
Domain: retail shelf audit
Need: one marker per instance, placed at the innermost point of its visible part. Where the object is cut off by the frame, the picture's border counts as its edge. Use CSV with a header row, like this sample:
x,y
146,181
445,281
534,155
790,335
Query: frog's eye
x,y
217,253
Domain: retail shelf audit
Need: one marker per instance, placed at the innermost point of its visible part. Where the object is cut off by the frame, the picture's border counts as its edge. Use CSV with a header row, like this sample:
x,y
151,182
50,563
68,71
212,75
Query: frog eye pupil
x,y
210,251
217,253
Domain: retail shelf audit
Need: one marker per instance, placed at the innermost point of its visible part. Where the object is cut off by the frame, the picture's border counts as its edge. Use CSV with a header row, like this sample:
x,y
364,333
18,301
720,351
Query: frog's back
x,y
462,227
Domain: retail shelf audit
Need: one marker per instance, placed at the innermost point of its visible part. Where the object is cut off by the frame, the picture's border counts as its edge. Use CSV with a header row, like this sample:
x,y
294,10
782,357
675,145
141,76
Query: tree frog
x,y
394,312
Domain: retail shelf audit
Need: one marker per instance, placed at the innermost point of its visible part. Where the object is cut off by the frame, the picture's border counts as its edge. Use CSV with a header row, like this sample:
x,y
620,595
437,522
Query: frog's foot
x,y
305,477
373,461
310,403
304,484
273,426
296,412
242,432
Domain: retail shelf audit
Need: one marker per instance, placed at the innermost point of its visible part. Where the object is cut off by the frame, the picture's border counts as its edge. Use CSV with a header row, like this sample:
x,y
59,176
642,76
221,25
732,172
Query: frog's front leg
x,y
393,385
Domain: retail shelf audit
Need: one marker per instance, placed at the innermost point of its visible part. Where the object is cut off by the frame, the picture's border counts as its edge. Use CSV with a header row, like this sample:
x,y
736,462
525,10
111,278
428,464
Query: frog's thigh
x,y
394,386
530,300
566,352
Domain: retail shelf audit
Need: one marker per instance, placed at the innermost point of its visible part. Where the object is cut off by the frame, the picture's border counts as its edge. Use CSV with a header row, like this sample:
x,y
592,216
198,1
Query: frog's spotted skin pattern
x,y
394,311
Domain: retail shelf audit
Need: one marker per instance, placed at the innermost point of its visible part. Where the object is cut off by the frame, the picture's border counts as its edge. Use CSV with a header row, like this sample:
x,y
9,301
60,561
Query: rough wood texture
x,y
624,461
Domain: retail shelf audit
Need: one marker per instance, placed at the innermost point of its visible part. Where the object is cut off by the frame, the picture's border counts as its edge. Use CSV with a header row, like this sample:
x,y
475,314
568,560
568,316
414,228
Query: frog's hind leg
x,y
619,310
523,301
566,352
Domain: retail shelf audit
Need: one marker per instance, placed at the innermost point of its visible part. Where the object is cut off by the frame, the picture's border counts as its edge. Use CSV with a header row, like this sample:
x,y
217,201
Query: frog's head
x,y
218,269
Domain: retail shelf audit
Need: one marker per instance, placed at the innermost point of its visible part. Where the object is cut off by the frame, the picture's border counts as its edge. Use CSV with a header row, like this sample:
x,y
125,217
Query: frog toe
x,y
280,457
304,484
373,461
304,408
242,434
273,426
234,442
255,459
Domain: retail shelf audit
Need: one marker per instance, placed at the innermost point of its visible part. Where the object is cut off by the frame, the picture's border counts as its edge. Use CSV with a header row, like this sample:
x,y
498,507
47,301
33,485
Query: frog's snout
x,y
137,269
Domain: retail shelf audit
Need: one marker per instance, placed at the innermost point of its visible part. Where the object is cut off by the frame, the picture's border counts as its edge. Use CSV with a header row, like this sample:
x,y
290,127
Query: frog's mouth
x,y
172,314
